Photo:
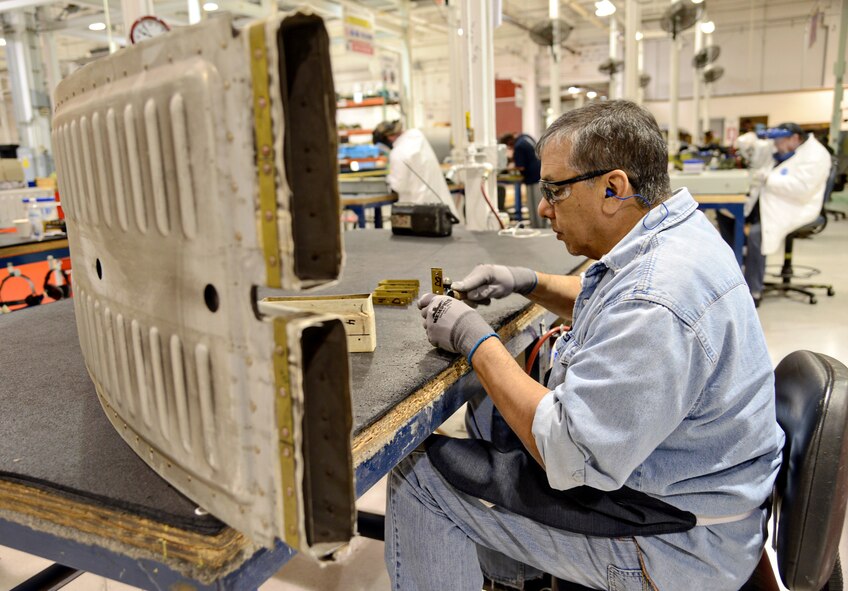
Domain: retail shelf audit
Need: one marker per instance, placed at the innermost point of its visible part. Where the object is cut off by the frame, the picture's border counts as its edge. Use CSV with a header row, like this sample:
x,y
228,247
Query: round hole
x,y
210,296
99,268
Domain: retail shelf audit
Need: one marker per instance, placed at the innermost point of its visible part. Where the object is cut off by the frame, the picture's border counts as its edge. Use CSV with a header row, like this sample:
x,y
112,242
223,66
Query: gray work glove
x,y
452,325
496,281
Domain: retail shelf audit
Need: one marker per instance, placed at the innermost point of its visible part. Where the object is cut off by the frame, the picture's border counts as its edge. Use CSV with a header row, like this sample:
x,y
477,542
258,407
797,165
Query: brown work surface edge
x,y
198,556
715,198
32,247
346,200
375,437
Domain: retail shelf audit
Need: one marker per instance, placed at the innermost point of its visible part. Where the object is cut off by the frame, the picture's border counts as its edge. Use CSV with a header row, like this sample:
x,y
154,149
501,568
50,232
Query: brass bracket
x,y
264,148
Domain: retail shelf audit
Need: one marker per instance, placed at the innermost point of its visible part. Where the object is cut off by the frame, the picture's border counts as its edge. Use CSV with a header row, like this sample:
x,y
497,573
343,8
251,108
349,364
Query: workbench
x,y
19,251
72,491
719,189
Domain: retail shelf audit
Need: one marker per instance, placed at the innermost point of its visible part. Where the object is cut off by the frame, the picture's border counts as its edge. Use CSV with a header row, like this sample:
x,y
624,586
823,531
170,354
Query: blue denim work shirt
x,y
664,383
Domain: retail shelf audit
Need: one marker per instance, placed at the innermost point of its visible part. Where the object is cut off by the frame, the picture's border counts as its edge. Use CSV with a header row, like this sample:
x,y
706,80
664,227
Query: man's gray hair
x,y
611,135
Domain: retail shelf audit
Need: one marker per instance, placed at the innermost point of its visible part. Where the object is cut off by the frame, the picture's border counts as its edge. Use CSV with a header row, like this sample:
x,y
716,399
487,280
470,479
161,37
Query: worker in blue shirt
x,y
525,160
647,458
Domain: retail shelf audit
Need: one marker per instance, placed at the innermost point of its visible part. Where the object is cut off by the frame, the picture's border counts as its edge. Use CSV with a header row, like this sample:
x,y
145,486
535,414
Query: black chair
x,y
788,272
811,491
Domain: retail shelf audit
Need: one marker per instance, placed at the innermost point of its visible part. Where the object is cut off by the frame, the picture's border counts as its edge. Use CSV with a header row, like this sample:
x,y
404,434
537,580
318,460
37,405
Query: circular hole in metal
x,y
99,269
210,296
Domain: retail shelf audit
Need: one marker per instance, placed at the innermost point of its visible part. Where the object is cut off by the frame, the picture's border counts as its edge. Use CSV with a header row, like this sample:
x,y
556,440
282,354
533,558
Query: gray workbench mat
x,y
54,434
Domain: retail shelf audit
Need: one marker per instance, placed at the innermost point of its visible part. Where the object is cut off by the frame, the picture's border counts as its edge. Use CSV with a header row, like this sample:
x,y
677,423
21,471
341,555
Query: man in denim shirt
x,y
663,385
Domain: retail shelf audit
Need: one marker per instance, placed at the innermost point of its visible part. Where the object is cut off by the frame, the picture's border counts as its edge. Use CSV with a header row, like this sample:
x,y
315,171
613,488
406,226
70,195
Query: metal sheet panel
x,y
179,206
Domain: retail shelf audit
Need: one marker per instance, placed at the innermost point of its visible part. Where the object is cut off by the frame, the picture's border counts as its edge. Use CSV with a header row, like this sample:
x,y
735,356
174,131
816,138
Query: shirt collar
x,y
680,206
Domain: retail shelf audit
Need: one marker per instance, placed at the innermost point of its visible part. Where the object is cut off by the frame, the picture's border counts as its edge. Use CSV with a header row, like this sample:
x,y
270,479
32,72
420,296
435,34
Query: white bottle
x,y
34,215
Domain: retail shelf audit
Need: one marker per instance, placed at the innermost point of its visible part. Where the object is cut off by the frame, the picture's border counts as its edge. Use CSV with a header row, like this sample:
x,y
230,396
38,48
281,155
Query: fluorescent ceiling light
x,y
573,90
708,27
97,26
697,1
591,94
639,36
604,8
2,42
460,32
210,7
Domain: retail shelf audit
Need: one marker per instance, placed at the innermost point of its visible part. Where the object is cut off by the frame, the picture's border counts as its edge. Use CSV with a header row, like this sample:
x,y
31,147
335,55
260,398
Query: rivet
x,y
269,215
257,54
292,529
272,260
266,150
262,102
285,432
279,350
289,491
282,392
286,452
266,168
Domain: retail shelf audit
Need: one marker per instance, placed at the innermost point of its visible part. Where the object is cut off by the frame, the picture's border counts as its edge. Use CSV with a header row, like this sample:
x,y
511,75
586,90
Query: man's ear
x,y
618,183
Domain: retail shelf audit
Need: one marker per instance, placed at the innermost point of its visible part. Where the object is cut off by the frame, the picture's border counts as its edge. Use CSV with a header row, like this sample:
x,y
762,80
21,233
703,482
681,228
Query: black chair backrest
x,y
831,178
812,488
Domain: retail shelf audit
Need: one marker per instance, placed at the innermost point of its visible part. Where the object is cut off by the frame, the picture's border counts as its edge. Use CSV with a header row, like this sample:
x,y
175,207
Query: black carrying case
x,y
422,219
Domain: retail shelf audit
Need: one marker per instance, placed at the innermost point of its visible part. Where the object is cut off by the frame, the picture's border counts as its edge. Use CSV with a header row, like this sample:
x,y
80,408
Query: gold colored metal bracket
x,y
285,429
264,147
436,278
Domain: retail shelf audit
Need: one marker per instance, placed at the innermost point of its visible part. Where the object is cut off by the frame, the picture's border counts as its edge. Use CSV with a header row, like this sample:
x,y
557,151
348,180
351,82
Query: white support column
x,y
674,96
29,90
131,10
481,155
51,62
530,116
696,87
406,66
839,73
640,96
554,74
632,24
195,14
458,88
5,129
613,92
708,89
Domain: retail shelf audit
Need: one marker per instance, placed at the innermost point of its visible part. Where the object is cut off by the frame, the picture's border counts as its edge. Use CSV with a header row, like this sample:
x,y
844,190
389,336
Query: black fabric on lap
x,y
514,481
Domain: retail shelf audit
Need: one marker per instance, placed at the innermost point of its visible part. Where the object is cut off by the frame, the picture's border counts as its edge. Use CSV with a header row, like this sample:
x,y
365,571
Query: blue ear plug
x,y
610,193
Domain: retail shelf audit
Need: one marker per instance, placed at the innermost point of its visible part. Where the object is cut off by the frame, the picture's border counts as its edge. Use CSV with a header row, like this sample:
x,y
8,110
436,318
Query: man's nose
x,y
545,209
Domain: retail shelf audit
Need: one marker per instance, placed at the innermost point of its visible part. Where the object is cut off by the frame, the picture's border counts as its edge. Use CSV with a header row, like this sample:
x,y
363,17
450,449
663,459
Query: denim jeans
x,y
433,533
754,261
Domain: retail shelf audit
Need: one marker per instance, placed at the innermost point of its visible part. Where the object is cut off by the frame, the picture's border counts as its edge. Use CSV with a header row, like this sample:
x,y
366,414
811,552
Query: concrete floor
x,y
789,324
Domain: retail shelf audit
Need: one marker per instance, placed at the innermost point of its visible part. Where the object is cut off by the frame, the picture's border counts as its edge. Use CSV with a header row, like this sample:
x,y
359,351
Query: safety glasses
x,y
556,191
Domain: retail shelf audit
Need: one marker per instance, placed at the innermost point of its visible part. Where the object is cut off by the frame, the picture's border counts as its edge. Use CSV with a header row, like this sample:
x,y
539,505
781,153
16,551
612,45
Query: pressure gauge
x,y
147,27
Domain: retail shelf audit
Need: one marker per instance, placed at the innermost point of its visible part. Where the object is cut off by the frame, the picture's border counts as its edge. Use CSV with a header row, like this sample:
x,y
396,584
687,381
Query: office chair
x,y
811,490
787,271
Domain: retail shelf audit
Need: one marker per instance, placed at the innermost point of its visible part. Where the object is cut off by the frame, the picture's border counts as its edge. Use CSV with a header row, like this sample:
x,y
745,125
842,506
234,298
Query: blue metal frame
x,y
738,211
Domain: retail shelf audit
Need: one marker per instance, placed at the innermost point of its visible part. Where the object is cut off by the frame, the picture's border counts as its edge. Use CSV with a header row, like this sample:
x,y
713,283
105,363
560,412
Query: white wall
x,y
799,107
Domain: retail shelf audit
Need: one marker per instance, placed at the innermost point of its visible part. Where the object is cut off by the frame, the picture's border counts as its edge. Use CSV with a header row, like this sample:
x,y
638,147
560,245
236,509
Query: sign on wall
x,y
358,30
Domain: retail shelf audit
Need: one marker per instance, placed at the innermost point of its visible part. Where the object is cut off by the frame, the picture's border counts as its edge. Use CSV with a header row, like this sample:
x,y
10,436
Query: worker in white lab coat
x,y
790,195
414,171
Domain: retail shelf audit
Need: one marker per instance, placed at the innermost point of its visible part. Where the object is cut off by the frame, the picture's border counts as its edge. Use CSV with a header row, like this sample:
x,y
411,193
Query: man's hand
x,y
495,281
452,325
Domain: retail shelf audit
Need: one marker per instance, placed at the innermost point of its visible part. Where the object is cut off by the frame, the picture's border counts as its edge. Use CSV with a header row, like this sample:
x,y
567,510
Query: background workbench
x,y
72,491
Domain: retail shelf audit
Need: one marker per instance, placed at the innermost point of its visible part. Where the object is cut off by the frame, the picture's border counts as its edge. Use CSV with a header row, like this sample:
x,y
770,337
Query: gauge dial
x,y
147,27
